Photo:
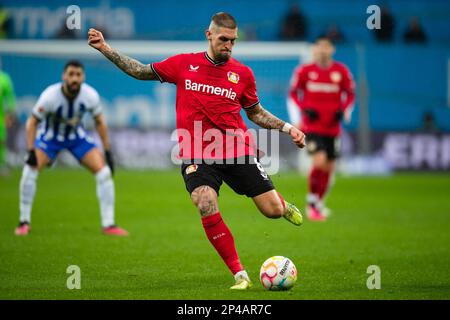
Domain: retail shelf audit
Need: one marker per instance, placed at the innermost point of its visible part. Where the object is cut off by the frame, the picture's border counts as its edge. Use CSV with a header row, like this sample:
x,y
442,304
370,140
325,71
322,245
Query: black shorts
x,y
250,178
317,142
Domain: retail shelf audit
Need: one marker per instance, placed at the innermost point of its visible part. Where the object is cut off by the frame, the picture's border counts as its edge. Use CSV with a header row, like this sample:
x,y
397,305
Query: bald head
x,y
222,20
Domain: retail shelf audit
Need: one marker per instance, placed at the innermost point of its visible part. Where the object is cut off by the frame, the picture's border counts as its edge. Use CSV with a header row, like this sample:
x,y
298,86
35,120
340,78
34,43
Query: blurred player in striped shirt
x,y
55,125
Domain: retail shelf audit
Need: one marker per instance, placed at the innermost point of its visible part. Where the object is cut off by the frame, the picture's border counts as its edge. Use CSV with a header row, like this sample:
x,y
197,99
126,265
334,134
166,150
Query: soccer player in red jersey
x,y
321,95
212,88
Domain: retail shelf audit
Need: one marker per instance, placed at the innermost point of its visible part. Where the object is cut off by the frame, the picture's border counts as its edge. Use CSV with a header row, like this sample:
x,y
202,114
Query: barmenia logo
x,y
205,88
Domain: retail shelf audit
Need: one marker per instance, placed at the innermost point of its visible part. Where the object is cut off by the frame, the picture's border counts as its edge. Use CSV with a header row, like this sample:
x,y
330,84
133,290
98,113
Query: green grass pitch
x,y
400,223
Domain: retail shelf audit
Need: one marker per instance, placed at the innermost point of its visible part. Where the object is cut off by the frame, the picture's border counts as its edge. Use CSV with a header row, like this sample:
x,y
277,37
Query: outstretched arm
x,y
102,129
265,119
129,65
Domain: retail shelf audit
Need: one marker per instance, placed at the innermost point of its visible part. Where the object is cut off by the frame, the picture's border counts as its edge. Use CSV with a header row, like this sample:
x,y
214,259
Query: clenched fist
x,y
297,136
95,39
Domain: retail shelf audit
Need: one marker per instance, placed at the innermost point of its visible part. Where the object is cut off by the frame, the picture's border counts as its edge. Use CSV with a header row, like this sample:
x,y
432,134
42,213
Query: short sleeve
x,y
249,98
168,70
42,106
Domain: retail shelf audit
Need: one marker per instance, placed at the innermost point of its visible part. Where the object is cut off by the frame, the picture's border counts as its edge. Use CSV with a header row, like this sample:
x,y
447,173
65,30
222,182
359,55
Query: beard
x,y
222,56
73,88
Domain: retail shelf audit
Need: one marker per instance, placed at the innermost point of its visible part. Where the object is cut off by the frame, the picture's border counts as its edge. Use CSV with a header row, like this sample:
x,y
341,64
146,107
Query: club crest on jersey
x,y
191,168
335,76
233,77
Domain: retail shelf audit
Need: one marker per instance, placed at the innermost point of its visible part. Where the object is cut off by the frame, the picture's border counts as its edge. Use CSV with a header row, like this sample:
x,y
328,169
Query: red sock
x,y
282,200
314,181
325,180
221,238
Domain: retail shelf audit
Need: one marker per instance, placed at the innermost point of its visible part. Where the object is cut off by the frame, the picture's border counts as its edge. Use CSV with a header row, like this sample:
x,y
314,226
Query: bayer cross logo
x,y
335,76
233,77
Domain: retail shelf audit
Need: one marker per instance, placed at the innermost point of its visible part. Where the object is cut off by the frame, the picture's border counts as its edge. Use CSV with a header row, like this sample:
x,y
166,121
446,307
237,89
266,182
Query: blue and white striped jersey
x,y
61,117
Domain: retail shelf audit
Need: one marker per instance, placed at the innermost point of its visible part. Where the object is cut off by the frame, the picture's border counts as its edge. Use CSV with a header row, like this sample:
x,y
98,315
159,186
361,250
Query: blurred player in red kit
x,y
321,95
212,89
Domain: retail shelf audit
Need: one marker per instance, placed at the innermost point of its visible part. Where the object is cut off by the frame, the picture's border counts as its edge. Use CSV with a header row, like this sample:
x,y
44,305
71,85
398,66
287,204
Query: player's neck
x,y
324,64
210,56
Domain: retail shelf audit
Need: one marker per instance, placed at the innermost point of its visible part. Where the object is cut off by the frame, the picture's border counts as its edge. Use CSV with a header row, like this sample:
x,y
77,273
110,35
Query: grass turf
x,y
400,223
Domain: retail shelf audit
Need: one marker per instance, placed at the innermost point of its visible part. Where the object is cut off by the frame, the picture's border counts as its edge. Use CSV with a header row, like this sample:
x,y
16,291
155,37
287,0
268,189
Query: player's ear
x,y
333,47
208,34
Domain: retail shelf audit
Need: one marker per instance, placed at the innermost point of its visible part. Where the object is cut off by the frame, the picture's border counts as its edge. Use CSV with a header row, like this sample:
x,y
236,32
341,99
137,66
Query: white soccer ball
x,y
278,273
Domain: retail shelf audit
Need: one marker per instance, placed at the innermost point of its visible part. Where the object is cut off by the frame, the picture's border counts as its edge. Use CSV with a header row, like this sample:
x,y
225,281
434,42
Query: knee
x,y
205,199
320,161
103,175
320,165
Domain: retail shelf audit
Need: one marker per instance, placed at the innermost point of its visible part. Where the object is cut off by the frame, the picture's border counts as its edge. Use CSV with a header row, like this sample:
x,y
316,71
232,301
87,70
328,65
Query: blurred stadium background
x,y
402,115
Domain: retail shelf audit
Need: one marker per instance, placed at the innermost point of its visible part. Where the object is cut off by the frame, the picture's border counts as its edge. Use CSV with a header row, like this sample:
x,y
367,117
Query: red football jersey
x,y
209,99
325,91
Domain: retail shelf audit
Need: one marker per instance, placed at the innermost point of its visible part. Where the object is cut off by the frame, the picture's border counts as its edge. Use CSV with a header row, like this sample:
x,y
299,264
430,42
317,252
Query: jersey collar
x,y
213,61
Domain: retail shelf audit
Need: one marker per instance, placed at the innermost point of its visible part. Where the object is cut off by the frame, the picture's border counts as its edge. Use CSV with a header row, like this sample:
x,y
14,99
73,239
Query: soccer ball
x,y
278,273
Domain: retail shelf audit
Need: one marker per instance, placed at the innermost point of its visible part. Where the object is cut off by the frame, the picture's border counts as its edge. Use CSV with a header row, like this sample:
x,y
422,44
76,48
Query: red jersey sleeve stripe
x,y
159,77
252,105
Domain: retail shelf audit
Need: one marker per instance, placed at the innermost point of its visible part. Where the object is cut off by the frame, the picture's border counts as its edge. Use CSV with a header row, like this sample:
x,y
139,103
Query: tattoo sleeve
x,y
129,65
264,118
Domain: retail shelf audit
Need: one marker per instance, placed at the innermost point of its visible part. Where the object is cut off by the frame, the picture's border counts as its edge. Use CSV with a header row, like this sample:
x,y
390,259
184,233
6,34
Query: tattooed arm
x,y
265,119
129,65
